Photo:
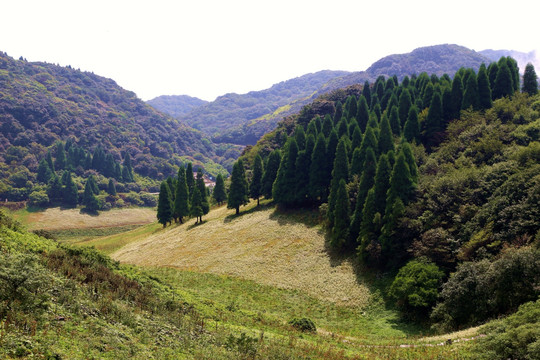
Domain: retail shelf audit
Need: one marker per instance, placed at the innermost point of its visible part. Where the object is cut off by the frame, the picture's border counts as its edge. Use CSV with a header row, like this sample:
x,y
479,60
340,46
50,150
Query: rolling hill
x,y
176,105
243,119
42,103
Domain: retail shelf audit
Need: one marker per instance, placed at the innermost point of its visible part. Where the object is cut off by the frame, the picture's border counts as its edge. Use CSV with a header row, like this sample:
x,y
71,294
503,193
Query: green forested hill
x,y
42,103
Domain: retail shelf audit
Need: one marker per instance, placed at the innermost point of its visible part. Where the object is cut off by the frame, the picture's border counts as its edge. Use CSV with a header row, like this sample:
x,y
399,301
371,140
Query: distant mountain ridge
x,y
243,119
176,105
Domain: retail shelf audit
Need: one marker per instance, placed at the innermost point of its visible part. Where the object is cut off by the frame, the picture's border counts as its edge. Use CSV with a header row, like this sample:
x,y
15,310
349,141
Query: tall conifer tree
x,y
270,173
284,186
219,193
530,80
205,205
340,171
238,191
181,199
484,89
255,186
341,217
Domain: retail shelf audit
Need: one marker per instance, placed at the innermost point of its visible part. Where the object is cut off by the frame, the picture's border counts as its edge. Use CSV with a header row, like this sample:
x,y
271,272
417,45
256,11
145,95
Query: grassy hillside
x,y
176,105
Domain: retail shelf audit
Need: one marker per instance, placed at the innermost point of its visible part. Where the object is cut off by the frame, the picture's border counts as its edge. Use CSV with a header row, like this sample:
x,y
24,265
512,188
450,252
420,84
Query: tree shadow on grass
x,y
86,211
262,206
192,226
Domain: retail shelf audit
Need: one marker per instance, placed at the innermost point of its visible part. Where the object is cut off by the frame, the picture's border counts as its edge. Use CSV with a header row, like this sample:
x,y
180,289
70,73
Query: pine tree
x,y
181,199
54,190
98,159
219,193
60,163
366,182
238,191
356,139
427,94
362,113
284,187
395,123
386,140
205,205
89,199
196,209
484,89
341,217
88,162
164,210
470,96
514,71
111,188
303,164
70,193
318,173
312,128
402,184
411,132
190,180
270,173
50,161
357,163
342,128
44,172
433,123
530,80
352,106
109,167
93,184
340,172
338,112
127,175
255,187
503,82
382,183
368,248
327,126
457,97
331,146
405,104
300,136
366,92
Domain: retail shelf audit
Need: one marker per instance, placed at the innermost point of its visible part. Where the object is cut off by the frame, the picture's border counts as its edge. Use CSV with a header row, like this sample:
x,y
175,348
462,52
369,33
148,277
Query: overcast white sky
x,y
207,48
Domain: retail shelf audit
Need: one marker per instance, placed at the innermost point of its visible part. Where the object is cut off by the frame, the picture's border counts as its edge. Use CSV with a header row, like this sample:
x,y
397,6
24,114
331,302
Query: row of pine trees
x,y
358,163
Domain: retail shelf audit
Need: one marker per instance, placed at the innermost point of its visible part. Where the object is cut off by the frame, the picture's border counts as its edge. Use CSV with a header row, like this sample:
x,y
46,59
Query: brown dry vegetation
x,y
60,219
263,245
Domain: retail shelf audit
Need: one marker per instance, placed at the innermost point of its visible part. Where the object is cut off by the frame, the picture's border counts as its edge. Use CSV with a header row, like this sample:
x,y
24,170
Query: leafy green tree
x,y
238,191
270,173
340,172
165,206
181,199
411,131
341,217
530,80
219,193
285,185
255,187
318,173
44,172
70,193
484,89
111,188
415,287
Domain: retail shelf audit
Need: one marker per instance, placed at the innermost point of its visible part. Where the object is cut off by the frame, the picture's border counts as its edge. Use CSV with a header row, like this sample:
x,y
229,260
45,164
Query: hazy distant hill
x,y
176,105
243,119
521,57
41,103
229,117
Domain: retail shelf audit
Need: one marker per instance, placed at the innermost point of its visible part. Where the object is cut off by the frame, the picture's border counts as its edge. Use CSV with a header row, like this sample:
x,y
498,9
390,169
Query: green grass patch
x,y
81,235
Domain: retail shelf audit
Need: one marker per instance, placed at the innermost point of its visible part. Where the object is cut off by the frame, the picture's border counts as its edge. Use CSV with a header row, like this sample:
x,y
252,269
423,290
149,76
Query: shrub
x,y
303,324
415,287
38,198
515,337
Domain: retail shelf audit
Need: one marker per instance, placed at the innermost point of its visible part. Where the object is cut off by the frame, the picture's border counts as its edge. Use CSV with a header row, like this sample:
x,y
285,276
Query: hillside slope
x,y
282,250
42,103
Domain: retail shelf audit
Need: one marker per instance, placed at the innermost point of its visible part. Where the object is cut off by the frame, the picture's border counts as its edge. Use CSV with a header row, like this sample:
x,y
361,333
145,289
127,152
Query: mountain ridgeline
x,y
429,175
243,119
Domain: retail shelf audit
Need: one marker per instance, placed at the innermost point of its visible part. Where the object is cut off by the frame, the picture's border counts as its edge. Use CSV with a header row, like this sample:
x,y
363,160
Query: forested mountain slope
x,y
42,103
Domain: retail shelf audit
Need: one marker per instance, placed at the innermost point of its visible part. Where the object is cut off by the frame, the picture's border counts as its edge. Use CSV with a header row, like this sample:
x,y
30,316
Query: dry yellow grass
x,y
58,219
263,246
